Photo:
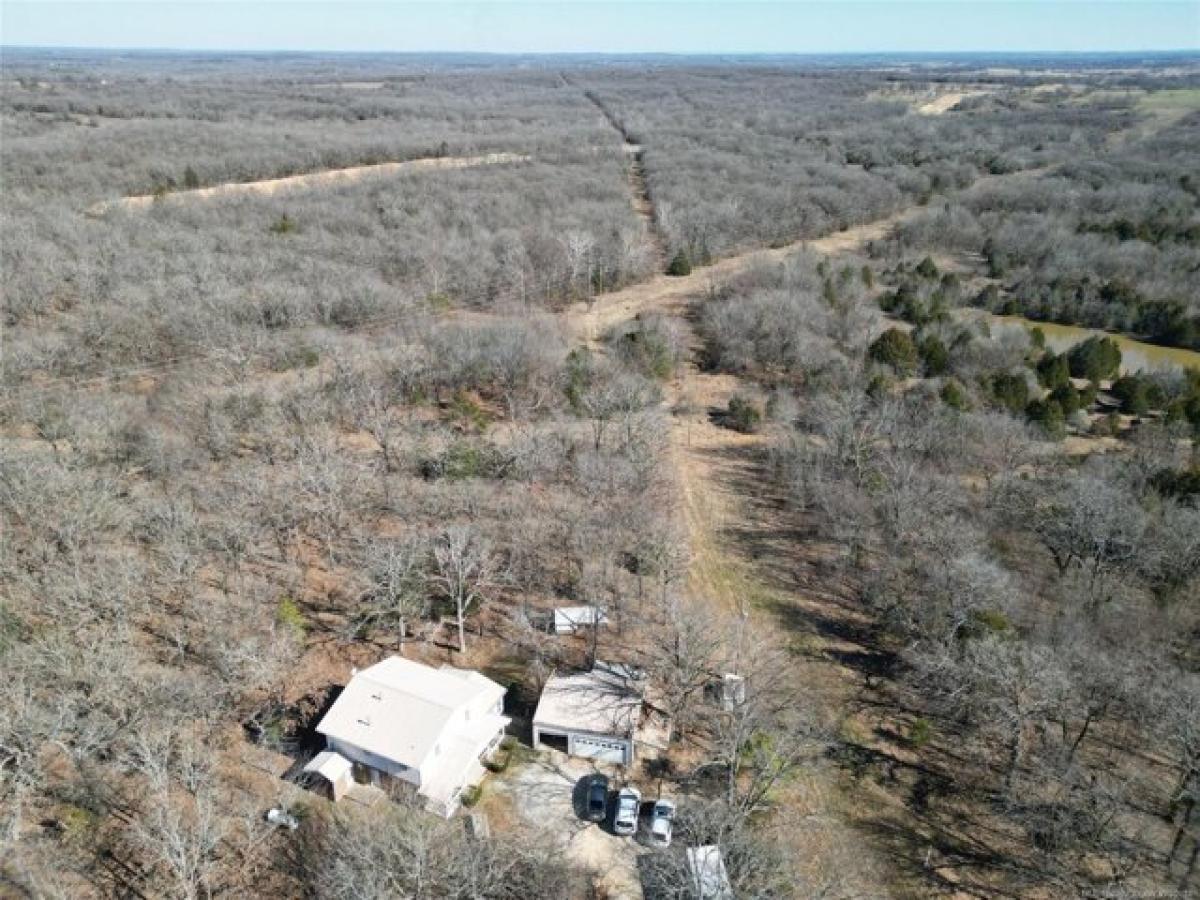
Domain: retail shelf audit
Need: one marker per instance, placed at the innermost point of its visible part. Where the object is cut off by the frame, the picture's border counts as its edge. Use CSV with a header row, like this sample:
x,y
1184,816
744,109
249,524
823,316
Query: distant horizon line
x,y
1177,51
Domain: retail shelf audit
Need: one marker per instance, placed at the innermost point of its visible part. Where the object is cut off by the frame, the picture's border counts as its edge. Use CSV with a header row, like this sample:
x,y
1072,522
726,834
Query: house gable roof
x,y
398,709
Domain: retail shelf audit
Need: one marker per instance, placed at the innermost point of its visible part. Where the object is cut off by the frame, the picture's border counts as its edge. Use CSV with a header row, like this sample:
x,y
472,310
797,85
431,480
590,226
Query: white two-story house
x,y
403,720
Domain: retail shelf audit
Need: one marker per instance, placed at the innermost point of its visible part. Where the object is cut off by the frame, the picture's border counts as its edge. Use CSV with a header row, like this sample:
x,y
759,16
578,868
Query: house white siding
x,y
427,727
373,761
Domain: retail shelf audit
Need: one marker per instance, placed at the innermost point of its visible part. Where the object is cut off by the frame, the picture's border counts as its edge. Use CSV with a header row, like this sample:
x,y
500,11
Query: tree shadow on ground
x,y
939,831
931,830
767,539
291,728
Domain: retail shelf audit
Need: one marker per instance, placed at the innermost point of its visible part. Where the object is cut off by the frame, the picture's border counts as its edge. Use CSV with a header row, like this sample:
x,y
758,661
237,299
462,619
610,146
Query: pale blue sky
x,y
674,26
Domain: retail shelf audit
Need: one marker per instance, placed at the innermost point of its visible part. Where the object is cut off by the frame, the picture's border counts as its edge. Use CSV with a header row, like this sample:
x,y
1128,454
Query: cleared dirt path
x,y
744,560
643,206
588,322
351,174
642,203
709,463
946,102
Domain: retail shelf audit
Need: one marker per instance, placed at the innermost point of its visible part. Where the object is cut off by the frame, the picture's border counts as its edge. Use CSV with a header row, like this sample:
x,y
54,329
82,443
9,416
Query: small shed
x,y
571,619
731,690
335,769
476,826
591,714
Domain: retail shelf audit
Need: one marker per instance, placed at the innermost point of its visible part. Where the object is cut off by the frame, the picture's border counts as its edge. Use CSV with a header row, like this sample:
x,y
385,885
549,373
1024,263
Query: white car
x,y
661,822
625,818
282,818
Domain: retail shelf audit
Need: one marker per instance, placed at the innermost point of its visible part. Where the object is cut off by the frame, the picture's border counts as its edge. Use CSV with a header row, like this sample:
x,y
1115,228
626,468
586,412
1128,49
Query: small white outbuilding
x,y
403,720
335,769
571,619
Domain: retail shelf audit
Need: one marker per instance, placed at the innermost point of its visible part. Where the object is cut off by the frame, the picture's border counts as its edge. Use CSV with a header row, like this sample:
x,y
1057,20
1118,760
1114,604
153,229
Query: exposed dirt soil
x,y
643,206
547,794
270,186
945,102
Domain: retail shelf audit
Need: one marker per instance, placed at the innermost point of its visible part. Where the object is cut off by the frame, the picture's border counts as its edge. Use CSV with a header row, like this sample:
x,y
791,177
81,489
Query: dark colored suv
x,y
597,799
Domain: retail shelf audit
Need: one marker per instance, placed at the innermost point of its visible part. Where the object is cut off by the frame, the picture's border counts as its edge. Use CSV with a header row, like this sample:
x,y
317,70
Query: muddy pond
x,y
1134,354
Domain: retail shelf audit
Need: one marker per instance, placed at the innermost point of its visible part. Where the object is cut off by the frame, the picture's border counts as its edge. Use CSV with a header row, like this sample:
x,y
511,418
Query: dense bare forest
x,y
743,354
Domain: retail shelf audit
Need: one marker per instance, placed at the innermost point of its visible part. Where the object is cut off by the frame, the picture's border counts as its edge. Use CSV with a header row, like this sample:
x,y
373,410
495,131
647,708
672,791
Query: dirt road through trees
x,y
743,562
643,204
269,186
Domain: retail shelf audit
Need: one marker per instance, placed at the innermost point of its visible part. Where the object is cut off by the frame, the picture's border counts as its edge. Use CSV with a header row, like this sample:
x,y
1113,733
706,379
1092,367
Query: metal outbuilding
x,y
591,714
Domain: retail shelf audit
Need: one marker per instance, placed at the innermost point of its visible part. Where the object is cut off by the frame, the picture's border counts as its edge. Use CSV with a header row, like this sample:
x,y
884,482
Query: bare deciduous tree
x,y
466,569
688,655
397,852
399,590
180,828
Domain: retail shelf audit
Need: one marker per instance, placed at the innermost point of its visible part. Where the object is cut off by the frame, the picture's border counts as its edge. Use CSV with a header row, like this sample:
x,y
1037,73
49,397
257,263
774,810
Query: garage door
x,y
597,748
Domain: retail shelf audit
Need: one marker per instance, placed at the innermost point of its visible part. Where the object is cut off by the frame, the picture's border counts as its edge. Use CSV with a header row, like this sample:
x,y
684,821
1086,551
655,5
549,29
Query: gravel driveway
x,y
549,793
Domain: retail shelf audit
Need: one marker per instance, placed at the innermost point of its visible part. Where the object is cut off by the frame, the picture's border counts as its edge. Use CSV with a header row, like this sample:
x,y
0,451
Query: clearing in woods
x,y
945,102
643,205
742,558
640,198
269,186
